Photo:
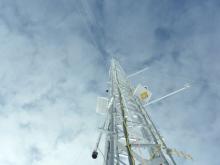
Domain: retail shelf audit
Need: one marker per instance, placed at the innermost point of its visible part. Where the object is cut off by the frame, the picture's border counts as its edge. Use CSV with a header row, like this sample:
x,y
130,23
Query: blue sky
x,y
54,60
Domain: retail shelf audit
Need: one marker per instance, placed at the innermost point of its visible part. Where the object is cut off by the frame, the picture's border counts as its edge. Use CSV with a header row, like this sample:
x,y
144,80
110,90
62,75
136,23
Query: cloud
x,y
54,60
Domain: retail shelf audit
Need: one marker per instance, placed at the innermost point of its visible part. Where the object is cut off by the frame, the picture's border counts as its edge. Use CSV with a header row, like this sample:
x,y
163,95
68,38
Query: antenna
x,y
186,86
131,136
138,72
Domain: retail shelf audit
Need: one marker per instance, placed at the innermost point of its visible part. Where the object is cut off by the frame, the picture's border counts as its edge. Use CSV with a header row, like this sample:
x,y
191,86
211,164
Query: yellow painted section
x,y
144,95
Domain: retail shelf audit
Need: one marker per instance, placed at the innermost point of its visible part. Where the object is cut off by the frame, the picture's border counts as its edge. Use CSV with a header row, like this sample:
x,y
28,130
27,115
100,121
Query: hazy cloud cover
x,y
54,59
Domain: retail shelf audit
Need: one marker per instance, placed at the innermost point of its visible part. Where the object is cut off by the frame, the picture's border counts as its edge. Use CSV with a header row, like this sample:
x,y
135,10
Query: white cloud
x,y
53,64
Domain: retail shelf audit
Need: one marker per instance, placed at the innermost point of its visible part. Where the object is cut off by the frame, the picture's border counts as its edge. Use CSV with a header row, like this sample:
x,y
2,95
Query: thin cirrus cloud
x,y
54,62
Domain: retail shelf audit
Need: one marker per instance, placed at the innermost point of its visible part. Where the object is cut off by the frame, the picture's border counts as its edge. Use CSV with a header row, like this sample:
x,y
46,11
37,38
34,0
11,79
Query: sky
x,y
54,61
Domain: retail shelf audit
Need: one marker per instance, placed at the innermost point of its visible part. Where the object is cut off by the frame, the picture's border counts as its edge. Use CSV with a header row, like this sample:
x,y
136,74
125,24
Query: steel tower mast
x,y
131,136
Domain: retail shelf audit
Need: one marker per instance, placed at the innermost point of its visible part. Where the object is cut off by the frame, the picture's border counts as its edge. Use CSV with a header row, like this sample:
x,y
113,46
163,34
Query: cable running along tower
x,y
131,137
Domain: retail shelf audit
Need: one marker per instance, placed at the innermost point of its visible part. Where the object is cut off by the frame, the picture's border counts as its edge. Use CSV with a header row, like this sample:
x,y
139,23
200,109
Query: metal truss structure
x,y
131,136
